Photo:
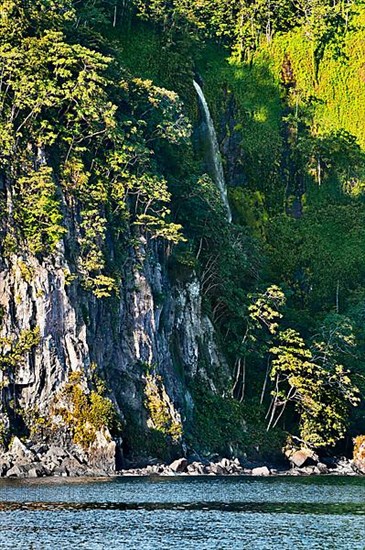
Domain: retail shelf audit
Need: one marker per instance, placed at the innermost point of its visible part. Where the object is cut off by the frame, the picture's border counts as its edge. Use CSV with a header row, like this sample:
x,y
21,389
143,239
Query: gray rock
x,y
56,454
73,467
262,471
77,330
60,471
215,469
102,453
19,451
168,472
196,468
179,465
235,469
323,468
308,470
37,470
303,457
16,471
225,463
39,449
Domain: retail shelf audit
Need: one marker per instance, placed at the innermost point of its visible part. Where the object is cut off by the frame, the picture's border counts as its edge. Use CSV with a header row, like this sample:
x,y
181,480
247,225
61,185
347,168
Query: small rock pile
x,y
40,460
235,467
183,466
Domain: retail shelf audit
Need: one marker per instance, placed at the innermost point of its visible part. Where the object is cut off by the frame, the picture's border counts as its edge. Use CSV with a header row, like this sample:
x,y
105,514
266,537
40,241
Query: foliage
x,y
78,139
162,416
298,182
320,387
14,350
85,412
359,448
224,426
38,212
96,151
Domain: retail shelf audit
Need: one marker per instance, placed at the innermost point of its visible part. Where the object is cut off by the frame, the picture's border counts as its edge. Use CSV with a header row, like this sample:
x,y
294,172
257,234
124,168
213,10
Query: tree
x,y
320,388
78,139
264,312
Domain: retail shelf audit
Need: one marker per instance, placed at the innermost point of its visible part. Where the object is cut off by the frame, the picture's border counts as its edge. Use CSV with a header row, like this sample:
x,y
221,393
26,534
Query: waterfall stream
x,y
215,159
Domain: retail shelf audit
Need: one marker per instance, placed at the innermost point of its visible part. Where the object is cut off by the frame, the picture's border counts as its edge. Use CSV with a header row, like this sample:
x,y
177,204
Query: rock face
x,y
102,455
152,322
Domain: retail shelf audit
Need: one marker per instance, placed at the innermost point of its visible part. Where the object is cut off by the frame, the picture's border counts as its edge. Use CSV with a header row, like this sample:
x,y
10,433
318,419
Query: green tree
x,y
320,388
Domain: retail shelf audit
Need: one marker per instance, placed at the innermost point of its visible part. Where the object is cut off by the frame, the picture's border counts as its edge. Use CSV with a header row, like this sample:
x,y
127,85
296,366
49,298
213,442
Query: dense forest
x,y
103,147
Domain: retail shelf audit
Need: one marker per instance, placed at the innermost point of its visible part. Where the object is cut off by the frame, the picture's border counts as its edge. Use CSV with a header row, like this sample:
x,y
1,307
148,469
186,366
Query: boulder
x,y
19,451
102,453
19,470
323,468
179,465
72,467
60,471
167,472
28,470
303,457
235,469
15,471
215,469
56,454
225,463
195,469
39,448
262,471
347,467
36,470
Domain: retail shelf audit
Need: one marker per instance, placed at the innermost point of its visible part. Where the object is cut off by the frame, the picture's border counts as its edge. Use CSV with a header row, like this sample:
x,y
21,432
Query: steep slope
x,y
136,320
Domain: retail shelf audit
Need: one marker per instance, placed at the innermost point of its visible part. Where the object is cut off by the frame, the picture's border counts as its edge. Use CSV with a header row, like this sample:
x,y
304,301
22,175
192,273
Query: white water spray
x,y
214,152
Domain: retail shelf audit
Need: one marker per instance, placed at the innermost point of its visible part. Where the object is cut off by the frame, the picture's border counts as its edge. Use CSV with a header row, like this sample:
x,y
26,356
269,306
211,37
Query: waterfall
x,y
215,159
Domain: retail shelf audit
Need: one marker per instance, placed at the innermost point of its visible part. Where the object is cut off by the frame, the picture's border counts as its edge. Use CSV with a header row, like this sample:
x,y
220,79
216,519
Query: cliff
x,y
181,234
153,334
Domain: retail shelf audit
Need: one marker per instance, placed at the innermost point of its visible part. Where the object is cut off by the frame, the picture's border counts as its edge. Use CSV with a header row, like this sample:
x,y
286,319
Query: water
x,y
214,153
184,513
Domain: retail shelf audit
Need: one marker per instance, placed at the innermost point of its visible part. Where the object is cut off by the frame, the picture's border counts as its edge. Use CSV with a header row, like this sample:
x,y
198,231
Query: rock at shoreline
x,y
102,453
263,471
27,460
302,457
179,466
34,461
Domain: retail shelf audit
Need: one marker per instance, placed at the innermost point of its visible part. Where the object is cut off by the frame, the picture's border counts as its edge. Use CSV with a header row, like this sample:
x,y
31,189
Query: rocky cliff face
x,y
153,325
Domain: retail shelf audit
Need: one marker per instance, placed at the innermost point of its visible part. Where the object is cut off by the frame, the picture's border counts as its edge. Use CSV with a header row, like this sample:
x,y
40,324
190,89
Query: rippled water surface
x,y
184,513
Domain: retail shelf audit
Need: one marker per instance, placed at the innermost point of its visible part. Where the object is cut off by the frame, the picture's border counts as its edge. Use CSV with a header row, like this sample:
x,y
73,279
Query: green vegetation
x,y
14,350
85,412
225,426
162,416
294,117
100,146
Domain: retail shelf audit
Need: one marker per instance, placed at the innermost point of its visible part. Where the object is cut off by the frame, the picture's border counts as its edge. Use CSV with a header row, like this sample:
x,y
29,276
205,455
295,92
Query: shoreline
x,y
181,468
43,461
57,479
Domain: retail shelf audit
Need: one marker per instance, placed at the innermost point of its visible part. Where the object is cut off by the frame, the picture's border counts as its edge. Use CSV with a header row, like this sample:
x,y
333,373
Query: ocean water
x,y
183,513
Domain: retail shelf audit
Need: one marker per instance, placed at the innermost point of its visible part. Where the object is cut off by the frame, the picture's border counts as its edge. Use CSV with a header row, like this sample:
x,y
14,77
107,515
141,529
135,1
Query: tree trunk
x,y
265,382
